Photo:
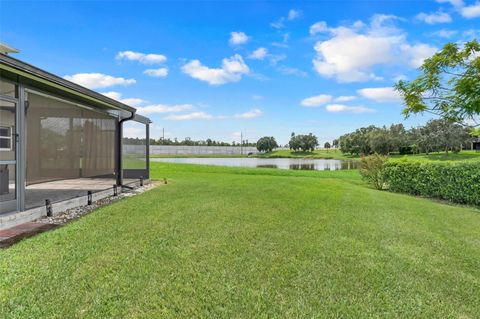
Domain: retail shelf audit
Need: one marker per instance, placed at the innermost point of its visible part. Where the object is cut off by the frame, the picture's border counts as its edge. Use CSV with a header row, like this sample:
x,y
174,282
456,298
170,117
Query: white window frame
x,y
10,137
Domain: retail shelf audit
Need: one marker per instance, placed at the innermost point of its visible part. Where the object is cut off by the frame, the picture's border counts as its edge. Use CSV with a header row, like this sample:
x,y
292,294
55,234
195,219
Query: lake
x,y
280,163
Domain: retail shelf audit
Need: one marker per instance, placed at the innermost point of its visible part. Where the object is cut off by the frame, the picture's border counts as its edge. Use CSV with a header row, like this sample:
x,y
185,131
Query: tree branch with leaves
x,y
448,86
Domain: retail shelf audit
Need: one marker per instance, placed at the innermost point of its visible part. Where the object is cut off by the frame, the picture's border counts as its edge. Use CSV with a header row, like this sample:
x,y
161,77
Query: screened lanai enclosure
x,y
59,140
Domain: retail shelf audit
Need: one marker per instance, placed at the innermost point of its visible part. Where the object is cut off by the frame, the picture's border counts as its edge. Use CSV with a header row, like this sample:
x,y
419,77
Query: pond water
x,y
281,163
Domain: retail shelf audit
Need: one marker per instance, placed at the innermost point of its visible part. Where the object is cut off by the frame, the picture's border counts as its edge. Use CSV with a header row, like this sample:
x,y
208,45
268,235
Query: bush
x,y
372,169
458,182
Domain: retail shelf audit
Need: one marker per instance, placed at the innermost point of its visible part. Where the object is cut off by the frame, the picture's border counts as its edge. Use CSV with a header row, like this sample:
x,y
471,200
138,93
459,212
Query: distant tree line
x,y
187,142
434,136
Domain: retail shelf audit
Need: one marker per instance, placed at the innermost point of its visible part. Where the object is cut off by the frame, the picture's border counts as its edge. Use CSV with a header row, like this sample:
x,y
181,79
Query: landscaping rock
x,y
78,212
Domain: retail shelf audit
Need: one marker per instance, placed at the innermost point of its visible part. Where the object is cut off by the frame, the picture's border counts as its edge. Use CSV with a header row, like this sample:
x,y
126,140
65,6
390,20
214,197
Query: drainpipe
x,y
119,147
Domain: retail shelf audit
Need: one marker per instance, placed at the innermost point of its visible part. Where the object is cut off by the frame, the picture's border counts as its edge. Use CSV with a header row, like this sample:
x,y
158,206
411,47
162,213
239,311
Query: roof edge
x,y
24,69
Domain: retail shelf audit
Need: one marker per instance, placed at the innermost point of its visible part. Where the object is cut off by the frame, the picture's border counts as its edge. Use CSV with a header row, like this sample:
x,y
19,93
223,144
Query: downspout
x,y
119,147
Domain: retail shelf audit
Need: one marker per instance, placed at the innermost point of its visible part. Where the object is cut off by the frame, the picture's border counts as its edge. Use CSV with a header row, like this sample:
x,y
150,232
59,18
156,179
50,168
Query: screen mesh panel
x,y
67,141
7,152
134,147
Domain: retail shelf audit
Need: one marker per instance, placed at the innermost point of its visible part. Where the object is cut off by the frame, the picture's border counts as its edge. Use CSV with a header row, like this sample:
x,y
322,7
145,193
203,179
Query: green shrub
x,y
458,182
372,169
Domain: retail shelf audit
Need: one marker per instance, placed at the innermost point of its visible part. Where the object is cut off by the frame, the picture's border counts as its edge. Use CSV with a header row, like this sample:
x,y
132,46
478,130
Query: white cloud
x,y
237,38
259,54
455,3
380,94
250,114
196,115
278,24
315,101
231,71
129,101
349,56
358,24
434,17
444,33
467,11
345,98
113,95
190,116
98,80
318,27
159,73
141,57
471,33
352,53
164,108
472,11
294,14
275,58
337,108
417,53
134,131
280,45
291,71
133,101
257,97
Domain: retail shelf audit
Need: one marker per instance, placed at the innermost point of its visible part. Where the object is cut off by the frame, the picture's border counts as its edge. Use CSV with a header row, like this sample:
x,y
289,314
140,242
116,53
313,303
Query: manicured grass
x,y
462,156
248,243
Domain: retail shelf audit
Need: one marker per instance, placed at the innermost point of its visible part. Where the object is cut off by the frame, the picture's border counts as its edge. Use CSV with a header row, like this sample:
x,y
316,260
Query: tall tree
x,y
266,144
306,143
448,86
335,144
327,146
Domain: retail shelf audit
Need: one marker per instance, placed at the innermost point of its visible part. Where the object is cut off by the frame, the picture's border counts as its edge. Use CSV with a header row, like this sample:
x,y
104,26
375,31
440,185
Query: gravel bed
x,y
77,212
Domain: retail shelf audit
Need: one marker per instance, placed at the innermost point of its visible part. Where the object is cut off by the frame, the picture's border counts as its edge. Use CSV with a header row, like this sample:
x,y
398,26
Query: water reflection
x,y
279,163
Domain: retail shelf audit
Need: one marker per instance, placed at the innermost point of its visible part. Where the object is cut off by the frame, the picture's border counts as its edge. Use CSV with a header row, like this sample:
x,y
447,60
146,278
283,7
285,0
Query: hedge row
x,y
458,182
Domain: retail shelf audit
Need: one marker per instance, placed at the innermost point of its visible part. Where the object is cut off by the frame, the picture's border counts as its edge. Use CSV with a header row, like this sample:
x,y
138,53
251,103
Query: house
x,y
59,140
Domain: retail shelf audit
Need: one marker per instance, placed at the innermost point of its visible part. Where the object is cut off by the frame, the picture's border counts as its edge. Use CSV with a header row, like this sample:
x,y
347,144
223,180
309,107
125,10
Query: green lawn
x,y
462,156
220,242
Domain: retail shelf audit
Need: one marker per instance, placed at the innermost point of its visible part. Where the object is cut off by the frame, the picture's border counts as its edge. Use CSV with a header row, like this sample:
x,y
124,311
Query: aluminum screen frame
x,y
135,149
66,141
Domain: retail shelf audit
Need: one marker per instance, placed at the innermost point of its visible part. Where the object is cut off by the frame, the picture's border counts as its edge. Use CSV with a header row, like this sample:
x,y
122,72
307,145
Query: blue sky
x,y
213,69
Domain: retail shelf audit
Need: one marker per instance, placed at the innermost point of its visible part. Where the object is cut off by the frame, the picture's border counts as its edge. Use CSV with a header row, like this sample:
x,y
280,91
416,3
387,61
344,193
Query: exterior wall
x,y
195,150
